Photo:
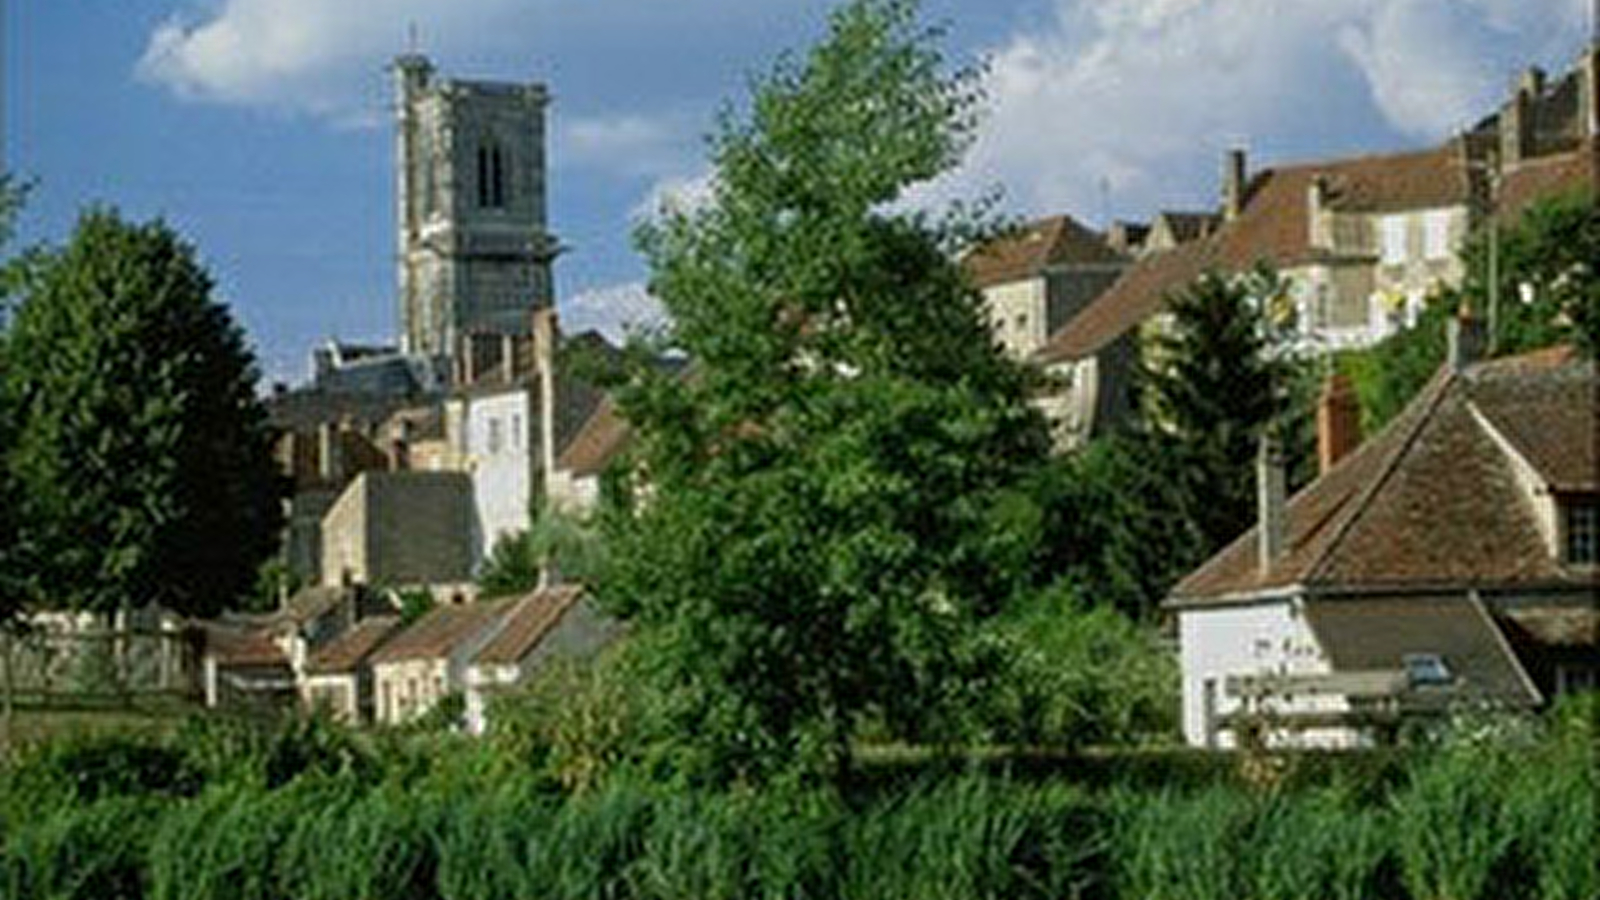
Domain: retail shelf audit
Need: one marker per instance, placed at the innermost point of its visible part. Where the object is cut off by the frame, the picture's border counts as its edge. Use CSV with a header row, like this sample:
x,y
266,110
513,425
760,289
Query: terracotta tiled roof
x,y
529,621
231,646
1366,634
1272,228
347,651
1027,252
439,632
1545,176
605,435
1431,500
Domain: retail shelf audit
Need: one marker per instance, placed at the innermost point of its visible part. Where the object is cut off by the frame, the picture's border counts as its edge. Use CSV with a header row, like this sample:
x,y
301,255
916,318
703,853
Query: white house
x,y
1452,559
428,660
552,622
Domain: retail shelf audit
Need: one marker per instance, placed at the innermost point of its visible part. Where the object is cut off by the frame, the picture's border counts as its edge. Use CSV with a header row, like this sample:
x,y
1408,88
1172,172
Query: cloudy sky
x,y
260,128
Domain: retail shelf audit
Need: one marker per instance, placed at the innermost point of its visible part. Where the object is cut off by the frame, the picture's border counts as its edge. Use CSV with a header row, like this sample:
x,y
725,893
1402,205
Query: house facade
x,y
428,660
549,623
337,679
1450,561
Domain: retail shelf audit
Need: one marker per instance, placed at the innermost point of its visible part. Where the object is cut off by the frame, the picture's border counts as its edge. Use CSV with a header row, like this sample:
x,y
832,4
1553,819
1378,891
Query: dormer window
x,y
1426,668
1581,529
492,173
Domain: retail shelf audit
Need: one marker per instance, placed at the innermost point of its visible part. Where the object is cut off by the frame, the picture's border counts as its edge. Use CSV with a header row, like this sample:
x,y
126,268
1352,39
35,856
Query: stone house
x,y
338,678
428,660
549,623
402,529
1452,559
1360,242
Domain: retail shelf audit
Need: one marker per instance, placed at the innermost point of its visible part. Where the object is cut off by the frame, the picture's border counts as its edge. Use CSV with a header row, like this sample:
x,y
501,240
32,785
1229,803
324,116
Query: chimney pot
x,y
1338,421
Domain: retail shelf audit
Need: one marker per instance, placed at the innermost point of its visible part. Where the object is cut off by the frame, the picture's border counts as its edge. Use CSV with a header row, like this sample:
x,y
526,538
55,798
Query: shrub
x,y
1318,846
361,847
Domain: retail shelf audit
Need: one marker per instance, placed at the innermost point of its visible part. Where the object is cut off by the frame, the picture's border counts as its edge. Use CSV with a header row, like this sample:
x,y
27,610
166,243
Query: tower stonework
x,y
474,250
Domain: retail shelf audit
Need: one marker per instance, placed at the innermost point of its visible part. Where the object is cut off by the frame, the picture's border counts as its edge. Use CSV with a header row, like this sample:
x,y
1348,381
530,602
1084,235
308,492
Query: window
x,y
516,431
1583,532
1436,235
1426,668
494,436
1392,240
491,176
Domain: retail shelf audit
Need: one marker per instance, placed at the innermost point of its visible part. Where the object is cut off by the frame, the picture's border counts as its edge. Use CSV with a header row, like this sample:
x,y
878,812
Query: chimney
x,y
1516,127
330,465
1464,340
1589,90
1270,499
1318,220
1338,421
508,358
546,333
1235,173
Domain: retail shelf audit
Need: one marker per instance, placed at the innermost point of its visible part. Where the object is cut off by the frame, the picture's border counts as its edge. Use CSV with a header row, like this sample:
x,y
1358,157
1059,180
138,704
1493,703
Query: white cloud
x,y
613,310
1137,98
303,55
630,144
680,193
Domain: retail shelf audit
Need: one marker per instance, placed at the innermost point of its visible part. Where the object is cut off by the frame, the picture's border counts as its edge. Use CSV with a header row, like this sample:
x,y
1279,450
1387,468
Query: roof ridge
x,y
1371,156
1432,394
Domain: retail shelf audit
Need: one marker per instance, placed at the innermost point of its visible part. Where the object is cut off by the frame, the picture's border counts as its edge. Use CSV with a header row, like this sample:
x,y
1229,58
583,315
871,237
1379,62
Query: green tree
x,y
141,449
833,493
1217,378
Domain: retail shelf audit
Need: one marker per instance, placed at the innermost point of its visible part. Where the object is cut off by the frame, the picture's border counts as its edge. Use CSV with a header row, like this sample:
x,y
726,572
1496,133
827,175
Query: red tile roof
x,y
1272,228
1541,177
1433,499
1028,251
598,442
533,617
234,646
346,652
442,630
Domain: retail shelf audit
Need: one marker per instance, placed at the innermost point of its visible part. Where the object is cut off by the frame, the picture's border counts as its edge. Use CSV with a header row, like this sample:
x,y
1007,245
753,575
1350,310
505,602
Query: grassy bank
x,y
306,811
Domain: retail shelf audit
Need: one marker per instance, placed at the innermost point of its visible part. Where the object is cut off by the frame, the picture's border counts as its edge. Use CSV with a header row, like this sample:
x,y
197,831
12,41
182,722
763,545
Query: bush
x,y
361,847
1454,827
1182,847
1319,846
83,769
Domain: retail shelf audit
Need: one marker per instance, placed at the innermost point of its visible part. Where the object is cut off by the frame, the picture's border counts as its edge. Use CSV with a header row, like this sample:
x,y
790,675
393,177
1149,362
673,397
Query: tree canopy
x,y
829,493
140,447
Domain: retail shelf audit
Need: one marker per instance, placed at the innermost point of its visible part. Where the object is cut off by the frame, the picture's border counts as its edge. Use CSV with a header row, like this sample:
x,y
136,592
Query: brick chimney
x,y
1464,340
1271,498
330,461
1235,175
1516,119
1338,421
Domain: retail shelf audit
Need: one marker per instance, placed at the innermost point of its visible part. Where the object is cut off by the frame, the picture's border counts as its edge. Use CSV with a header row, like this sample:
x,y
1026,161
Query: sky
x,y
261,129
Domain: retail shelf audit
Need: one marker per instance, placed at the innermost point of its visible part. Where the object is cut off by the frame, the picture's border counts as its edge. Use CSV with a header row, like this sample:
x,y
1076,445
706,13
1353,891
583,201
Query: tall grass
x,y
1172,846
98,851
1455,828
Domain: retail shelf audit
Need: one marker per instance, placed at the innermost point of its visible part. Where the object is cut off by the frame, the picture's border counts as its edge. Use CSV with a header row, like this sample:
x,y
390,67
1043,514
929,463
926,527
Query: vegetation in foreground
x,y
306,810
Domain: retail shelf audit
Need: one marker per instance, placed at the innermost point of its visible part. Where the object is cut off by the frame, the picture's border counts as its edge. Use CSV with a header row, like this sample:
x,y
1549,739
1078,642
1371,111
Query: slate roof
x,y
1367,634
530,619
346,652
439,632
1036,246
1272,228
1433,499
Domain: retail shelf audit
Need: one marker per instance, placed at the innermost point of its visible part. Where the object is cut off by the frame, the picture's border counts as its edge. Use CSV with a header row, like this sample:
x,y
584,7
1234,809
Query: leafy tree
x,y
12,195
141,449
567,543
512,567
833,495
1217,378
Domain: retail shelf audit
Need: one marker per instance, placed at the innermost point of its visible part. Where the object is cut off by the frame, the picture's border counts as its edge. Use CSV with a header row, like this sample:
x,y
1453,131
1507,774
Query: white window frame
x,y
1393,235
1436,235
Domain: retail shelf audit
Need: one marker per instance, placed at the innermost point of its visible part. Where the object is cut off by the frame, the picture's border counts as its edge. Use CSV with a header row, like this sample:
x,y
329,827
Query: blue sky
x,y
259,128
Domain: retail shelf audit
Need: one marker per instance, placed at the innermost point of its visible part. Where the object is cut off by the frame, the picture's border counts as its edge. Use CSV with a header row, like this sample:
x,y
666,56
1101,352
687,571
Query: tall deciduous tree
x,y
830,492
141,449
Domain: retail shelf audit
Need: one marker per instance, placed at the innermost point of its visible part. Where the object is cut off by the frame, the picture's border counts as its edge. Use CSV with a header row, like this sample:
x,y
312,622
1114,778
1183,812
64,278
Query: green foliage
x,y
1182,847
1455,827
141,451
512,567
98,851
1214,381
833,489
1320,846
414,604
1084,675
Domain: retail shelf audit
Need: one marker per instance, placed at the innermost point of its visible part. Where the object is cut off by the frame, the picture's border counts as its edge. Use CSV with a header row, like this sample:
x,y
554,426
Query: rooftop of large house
x,y
1035,247
441,631
1437,499
349,650
530,619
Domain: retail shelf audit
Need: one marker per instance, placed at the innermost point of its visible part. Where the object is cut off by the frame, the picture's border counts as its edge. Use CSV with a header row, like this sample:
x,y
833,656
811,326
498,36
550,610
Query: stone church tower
x,y
474,252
